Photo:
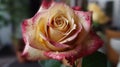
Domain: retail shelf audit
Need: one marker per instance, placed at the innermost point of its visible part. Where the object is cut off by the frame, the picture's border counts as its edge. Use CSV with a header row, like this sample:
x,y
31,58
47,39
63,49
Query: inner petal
x,y
54,34
60,23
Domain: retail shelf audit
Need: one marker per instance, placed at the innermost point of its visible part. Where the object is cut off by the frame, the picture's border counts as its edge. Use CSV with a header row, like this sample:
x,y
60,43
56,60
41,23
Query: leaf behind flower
x,y
97,59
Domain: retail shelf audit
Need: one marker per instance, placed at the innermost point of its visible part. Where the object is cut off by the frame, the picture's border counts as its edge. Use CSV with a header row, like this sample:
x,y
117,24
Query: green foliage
x,y
96,24
95,60
13,11
50,63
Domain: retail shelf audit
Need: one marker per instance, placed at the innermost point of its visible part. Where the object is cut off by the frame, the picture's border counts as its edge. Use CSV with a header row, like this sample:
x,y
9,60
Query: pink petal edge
x,y
46,3
97,44
85,19
33,54
24,26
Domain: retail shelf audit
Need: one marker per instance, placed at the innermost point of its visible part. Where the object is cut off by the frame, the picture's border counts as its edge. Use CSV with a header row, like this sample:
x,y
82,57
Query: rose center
x,y
60,22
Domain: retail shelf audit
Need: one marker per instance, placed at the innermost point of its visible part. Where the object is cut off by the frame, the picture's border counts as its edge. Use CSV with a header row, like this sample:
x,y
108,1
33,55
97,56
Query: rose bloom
x,y
59,32
98,15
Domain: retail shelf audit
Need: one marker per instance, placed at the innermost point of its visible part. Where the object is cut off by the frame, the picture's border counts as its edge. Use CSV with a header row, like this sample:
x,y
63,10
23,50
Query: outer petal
x,y
85,19
25,25
45,5
64,55
78,8
33,54
30,31
91,44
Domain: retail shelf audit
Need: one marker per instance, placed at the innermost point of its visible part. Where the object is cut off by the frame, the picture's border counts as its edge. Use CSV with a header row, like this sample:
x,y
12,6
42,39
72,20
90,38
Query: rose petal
x,y
25,27
73,36
31,29
91,44
78,8
33,54
37,16
55,44
45,5
85,19
63,55
52,32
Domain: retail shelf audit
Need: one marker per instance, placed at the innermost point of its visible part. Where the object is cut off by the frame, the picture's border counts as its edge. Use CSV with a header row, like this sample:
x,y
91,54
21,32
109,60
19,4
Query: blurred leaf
x,y
50,63
14,11
96,24
97,59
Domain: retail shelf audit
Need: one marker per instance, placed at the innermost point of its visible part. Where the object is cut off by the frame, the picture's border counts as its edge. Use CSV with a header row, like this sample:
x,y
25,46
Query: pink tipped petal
x,y
92,44
85,19
78,8
71,54
45,5
33,54
24,26
36,17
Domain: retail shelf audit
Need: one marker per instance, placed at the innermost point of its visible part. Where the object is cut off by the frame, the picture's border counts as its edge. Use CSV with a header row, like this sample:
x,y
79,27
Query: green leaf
x,y
50,63
96,24
97,59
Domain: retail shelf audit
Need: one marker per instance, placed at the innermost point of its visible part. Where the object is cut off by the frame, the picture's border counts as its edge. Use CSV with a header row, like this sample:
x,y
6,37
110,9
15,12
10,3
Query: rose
x,y
98,15
59,32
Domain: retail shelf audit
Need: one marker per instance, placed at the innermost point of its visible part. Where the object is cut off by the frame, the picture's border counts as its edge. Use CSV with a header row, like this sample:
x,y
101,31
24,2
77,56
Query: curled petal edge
x,y
33,54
